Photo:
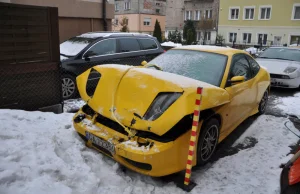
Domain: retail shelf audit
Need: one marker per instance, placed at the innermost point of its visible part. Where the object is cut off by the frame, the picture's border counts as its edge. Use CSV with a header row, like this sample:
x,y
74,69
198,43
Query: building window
x,y
157,4
127,5
147,21
262,39
234,13
198,36
248,13
116,7
247,38
208,14
232,36
157,10
197,15
188,15
265,13
207,35
296,12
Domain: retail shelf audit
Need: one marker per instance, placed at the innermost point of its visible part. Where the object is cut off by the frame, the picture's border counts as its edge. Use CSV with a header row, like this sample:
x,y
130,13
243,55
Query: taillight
x,y
165,51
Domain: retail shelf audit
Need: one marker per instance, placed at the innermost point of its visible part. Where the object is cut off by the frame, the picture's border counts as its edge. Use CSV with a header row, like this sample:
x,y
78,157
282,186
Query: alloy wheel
x,y
209,143
68,87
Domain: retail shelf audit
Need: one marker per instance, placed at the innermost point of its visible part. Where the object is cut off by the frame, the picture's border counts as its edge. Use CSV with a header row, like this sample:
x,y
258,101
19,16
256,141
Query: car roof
x,y
212,49
96,35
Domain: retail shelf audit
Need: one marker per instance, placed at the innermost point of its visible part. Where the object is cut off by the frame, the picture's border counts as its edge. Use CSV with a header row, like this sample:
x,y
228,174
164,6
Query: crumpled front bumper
x,y
155,159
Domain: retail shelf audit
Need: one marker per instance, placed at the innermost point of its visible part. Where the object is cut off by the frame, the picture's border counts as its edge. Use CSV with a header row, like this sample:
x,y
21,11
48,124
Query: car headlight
x,y
285,77
160,104
290,69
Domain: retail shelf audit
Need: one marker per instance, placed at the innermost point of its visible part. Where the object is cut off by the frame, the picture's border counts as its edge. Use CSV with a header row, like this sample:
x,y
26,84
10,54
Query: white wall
x,y
284,32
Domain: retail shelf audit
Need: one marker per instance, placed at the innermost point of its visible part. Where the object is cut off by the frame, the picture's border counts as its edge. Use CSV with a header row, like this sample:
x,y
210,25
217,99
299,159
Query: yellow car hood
x,y
128,90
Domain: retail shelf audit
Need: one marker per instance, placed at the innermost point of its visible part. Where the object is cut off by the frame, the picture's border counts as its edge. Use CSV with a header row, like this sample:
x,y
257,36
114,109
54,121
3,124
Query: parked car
x,y
283,64
144,120
87,50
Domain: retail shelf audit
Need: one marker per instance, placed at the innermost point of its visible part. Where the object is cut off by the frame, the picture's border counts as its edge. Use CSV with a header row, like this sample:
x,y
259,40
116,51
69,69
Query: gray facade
x,y
154,7
205,14
174,15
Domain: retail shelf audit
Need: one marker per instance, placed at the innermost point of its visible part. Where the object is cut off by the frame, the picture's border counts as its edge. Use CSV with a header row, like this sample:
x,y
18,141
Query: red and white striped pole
x,y
193,137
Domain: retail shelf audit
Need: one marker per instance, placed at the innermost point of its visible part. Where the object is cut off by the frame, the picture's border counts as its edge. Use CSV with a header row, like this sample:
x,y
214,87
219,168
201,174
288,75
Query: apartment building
x,y
267,22
204,14
76,16
141,15
174,16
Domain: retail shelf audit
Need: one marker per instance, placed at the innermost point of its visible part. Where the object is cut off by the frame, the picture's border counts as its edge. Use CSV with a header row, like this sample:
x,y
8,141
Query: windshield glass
x,y
202,66
74,45
281,53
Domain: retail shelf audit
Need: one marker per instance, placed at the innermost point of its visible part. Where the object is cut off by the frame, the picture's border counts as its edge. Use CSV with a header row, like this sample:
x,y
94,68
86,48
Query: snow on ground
x,y
41,153
72,105
289,105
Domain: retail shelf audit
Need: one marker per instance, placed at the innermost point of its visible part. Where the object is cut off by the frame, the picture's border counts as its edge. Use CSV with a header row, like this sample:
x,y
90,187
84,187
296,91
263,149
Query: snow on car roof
x,y
96,35
171,44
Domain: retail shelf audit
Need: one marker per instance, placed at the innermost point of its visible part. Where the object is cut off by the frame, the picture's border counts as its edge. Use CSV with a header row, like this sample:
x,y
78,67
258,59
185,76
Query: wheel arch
x,y
207,114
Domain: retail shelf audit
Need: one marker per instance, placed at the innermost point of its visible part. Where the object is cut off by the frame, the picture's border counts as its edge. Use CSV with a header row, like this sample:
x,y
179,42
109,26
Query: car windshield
x,y
202,66
74,45
281,53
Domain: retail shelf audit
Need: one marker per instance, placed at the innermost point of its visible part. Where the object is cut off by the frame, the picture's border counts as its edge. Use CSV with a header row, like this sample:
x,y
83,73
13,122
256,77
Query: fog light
x,y
79,118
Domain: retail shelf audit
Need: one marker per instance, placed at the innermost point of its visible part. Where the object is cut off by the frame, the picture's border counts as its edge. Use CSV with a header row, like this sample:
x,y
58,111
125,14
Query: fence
x,y
29,58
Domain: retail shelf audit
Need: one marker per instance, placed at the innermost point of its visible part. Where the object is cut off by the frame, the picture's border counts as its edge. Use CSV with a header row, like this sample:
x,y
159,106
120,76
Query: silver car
x,y
283,64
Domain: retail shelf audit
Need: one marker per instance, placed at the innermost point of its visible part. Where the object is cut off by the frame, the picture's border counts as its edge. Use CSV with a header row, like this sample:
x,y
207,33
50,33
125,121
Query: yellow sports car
x,y
142,116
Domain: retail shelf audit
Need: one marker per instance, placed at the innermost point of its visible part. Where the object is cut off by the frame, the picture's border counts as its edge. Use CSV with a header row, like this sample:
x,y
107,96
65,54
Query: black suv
x,y
87,50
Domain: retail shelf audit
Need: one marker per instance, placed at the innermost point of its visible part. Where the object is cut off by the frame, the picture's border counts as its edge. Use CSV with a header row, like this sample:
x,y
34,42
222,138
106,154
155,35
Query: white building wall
x,y
284,32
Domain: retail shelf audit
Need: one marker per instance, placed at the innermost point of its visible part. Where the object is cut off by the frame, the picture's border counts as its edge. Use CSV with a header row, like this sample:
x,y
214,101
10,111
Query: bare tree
x,y
124,24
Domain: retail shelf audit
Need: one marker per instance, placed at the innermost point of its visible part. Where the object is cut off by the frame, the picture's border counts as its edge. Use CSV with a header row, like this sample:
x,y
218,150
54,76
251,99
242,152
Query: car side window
x,y
240,67
148,43
103,47
254,66
128,44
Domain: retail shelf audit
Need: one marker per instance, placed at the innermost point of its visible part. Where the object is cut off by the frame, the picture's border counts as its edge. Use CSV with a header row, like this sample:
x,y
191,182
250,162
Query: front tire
x,y
208,140
263,103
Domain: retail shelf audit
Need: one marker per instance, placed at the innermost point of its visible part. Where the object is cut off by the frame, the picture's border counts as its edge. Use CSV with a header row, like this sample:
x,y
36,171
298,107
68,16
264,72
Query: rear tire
x,y
69,87
263,103
208,140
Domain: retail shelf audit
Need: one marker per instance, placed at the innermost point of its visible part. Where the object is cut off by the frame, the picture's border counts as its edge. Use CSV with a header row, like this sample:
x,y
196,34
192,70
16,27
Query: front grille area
x,y
278,76
111,124
139,165
176,131
104,120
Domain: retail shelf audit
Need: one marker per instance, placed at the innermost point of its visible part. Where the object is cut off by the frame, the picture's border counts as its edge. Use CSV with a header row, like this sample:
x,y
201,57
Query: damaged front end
x,y
138,119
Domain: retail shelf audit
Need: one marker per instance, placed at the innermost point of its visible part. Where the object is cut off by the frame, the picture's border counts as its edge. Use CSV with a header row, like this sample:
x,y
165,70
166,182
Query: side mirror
x,y
237,79
144,63
87,55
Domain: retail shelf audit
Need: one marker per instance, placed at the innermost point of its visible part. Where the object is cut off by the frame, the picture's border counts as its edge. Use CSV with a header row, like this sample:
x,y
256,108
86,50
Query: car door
x,y
259,87
103,52
150,47
99,53
242,94
130,52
